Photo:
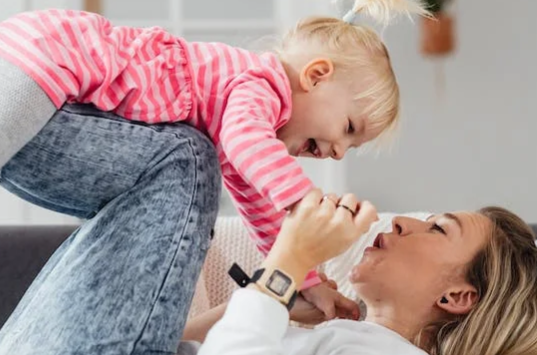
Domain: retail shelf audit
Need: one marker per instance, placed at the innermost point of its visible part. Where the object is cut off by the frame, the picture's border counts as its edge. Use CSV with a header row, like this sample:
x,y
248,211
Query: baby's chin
x,y
291,149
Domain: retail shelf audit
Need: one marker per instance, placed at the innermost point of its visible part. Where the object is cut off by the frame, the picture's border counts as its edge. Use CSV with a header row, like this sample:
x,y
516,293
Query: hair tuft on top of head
x,y
384,11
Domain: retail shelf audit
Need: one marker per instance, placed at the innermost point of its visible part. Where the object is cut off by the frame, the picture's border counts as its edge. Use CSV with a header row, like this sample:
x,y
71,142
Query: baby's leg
x,y
24,110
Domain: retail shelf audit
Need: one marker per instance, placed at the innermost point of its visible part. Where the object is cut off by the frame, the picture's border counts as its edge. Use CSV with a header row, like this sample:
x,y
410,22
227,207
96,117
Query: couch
x,y
25,249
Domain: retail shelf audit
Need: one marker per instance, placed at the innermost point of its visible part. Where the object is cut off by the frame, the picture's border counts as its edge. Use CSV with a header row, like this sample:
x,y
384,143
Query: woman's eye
x,y
436,227
350,128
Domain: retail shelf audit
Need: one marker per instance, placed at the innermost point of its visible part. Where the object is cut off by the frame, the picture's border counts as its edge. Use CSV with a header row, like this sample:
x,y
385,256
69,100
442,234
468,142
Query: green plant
x,y
436,5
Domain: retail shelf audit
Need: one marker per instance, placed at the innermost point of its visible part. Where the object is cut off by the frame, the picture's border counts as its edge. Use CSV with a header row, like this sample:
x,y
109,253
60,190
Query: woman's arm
x,y
255,323
304,312
197,328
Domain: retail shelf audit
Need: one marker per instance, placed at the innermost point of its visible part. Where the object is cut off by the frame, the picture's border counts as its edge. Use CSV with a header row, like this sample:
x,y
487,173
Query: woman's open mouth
x,y
378,244
379,241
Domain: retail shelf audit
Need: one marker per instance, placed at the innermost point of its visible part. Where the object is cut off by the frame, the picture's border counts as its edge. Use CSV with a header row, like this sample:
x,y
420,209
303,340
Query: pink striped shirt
x,y
237,98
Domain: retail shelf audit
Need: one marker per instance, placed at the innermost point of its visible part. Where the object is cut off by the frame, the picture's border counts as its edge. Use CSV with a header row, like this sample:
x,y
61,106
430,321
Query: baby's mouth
x,y
310,146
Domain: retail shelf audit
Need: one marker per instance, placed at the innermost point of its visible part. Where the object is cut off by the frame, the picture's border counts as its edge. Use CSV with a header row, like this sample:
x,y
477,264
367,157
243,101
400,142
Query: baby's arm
x,y
260,217
248,138
266,178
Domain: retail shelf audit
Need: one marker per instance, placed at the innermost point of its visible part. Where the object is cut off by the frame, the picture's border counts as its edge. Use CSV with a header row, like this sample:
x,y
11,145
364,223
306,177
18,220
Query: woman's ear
x,y
317,70
460,300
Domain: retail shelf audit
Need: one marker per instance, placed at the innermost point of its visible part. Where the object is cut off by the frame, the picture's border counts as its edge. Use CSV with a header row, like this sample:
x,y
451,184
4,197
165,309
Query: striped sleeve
x,y
262,221
249,141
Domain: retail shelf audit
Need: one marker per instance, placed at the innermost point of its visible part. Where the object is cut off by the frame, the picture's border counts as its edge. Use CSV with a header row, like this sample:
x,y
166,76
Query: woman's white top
x,y
256,324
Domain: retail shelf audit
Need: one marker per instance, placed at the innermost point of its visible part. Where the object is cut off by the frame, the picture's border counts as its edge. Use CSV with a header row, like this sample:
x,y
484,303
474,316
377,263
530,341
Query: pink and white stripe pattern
x,y
238,98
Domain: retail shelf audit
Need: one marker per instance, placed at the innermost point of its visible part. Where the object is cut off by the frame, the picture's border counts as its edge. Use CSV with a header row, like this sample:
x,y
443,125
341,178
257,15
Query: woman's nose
x,y
397,226
401,225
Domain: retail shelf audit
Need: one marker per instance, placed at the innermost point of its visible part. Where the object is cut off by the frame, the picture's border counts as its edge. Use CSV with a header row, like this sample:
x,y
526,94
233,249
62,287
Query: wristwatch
x,y
272,281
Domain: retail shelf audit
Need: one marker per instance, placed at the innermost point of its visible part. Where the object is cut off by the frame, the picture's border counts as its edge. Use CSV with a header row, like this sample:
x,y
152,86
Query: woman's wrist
x,y
288,264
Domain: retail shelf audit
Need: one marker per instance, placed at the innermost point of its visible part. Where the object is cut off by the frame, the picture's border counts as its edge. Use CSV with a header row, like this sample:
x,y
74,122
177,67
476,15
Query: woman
x,y
457,284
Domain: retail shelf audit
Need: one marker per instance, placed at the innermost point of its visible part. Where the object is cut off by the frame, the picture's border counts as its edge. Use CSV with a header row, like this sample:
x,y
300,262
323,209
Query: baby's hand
x,y
332,303
307,313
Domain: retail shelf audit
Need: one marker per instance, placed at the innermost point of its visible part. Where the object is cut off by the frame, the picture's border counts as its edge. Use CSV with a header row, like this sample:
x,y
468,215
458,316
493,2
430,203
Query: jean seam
x,y
187,217
110,116
40,147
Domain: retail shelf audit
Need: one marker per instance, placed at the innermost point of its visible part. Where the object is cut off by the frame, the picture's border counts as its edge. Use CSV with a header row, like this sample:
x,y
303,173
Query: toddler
x,y
327,88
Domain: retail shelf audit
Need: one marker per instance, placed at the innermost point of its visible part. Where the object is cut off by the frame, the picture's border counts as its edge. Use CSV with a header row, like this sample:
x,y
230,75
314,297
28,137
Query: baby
x,y
327,88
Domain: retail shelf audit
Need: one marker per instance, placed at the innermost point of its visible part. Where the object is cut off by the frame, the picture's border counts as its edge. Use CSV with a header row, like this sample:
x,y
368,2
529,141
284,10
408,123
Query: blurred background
x,y
468,133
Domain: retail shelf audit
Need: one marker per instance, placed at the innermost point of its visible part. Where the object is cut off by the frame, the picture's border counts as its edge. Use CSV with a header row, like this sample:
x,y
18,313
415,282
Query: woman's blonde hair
x,y
504,321
353,47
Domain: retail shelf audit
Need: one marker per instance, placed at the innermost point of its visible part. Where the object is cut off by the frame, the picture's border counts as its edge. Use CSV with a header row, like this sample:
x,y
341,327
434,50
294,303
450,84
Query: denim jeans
x,y
124,281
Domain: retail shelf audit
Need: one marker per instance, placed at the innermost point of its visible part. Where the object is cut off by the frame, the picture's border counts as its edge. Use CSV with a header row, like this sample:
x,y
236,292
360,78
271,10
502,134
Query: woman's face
x,y
419,262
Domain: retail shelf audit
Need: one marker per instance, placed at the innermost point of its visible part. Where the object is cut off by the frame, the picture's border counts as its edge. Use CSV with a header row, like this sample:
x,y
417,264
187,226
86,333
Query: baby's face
x,y
326,120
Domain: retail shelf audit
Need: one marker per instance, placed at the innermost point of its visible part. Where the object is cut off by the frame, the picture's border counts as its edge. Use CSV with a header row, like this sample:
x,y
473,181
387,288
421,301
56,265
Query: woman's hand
x,y
317,230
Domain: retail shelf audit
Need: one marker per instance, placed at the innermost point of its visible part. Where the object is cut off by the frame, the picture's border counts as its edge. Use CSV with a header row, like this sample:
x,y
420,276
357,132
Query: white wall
x,y
476,143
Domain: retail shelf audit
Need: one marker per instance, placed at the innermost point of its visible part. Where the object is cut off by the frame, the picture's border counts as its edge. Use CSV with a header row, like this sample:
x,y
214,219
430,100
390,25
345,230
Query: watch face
x,y
278,283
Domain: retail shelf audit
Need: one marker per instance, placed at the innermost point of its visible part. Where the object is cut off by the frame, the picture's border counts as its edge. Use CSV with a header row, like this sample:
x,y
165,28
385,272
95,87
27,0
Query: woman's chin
x,y
356,275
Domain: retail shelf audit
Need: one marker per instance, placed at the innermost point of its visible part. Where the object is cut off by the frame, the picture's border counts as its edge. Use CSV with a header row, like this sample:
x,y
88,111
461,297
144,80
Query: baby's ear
x,y
317,70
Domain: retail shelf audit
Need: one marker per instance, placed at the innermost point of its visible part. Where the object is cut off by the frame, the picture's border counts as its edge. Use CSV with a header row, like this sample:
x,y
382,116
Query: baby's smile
x,y
310,148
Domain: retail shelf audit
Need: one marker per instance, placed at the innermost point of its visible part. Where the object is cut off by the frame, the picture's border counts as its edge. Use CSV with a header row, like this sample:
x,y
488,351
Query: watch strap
x,y
242,279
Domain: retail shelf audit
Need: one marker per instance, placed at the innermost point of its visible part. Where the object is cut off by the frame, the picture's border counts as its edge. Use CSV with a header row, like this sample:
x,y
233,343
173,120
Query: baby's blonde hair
x,y
352,47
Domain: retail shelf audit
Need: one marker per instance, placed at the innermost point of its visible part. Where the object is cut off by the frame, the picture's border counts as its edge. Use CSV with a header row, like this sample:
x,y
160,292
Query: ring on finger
x,y
326,197
347,208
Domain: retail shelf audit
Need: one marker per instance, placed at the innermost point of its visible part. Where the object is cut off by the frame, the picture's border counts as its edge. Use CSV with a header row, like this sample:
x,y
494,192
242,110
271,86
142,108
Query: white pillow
x,y
340,267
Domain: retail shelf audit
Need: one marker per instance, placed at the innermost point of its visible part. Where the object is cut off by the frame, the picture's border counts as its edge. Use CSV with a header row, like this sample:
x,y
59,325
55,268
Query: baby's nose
x,y
337,152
